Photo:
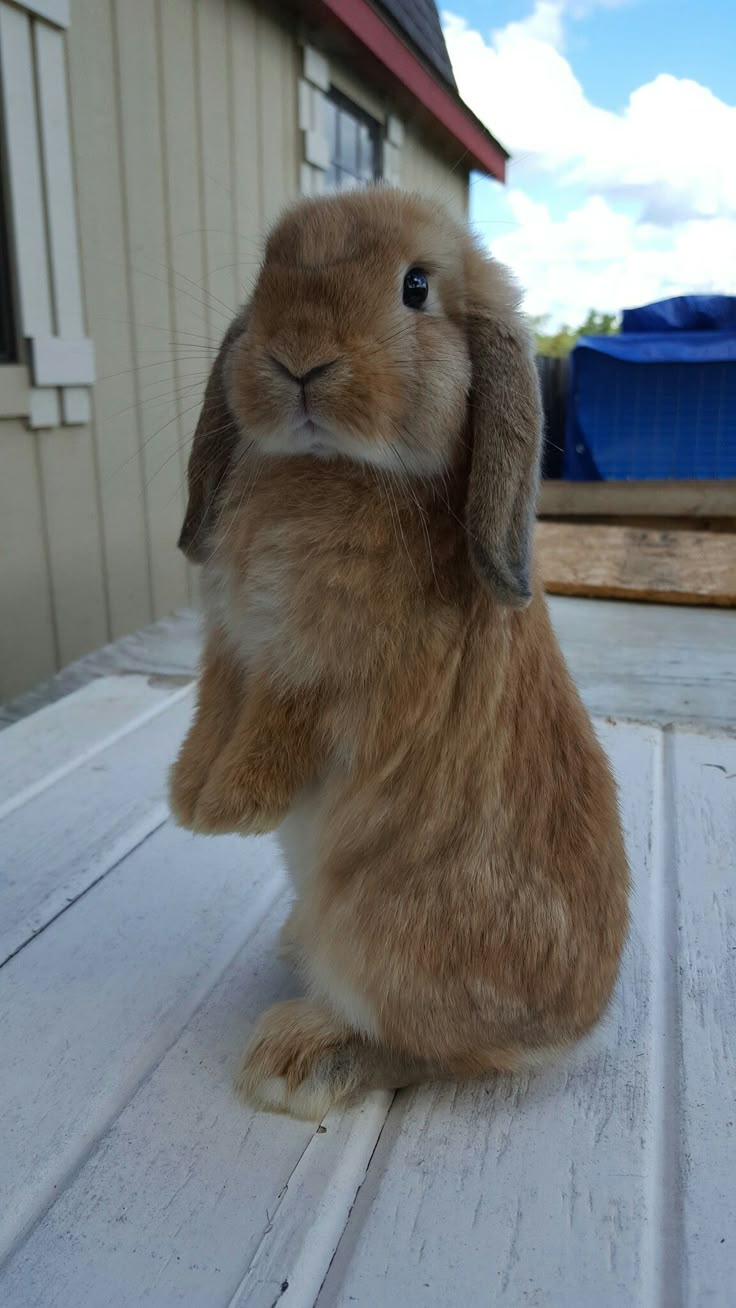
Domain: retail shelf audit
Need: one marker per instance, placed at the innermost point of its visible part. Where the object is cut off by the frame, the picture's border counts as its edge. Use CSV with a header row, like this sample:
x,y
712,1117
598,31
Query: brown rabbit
x,y
381,676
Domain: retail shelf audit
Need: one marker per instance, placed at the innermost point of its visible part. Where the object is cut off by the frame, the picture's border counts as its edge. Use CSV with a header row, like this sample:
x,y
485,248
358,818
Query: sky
x,y
620,116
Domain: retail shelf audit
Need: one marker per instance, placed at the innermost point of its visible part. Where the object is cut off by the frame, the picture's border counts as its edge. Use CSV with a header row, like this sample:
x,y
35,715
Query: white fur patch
x,y
300,838
310,1101
340,997
258,620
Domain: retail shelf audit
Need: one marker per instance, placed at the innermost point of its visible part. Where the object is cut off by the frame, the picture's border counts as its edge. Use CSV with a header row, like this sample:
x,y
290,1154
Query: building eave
x,y
361,22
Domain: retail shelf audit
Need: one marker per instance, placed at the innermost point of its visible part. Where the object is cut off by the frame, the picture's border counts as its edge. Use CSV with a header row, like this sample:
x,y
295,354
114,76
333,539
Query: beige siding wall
x,y
186,145
424,168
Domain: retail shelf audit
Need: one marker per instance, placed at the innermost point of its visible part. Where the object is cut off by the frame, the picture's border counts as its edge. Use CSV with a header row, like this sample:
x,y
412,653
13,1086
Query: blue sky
x,y
621,119
614,48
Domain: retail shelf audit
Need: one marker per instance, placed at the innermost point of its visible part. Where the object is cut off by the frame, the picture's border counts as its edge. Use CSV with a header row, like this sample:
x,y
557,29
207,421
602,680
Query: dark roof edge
x,y
420,23
367,26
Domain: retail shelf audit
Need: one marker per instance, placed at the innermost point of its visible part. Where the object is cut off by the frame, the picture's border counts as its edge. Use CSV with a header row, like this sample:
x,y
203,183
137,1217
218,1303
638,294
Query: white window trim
x,y
42,218
313,88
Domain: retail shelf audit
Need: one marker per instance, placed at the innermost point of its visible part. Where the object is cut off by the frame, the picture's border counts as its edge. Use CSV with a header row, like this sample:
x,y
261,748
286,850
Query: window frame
x,y
315,85
49,380
348,108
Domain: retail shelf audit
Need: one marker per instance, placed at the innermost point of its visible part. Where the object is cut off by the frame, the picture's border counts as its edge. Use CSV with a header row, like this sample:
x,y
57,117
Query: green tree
x,y
559,343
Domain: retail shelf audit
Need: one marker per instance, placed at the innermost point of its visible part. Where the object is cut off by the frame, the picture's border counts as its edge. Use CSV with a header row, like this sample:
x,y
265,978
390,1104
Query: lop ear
x,y
506,435
213,446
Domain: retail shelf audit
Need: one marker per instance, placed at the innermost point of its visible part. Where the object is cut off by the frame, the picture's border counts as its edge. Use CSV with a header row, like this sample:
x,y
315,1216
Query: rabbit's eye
x,y
416,288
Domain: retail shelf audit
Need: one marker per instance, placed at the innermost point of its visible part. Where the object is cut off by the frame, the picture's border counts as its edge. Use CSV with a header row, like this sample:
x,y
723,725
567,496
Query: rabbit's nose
x,y
302,378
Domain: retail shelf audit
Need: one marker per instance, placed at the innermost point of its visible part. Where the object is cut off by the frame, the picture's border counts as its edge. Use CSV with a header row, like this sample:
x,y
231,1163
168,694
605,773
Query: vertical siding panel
x,y
135,33
214,61
272,116
248,211
100,208
193,342
67,466
27,644
291,148
434,174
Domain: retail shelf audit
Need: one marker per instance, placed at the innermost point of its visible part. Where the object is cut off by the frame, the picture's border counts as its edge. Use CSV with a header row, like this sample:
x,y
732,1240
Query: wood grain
x,y
674,567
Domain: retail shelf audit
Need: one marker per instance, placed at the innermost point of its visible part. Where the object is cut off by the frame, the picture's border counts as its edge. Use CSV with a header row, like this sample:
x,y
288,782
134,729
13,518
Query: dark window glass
x,y
355,144
330,112
7,329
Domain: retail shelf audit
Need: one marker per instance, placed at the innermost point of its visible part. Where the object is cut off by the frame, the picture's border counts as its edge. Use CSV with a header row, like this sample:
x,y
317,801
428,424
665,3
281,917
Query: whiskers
x,y
249,483
383,481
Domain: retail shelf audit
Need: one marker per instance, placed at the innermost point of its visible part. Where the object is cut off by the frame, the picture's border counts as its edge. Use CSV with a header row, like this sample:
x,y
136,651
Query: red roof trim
x,y
369,28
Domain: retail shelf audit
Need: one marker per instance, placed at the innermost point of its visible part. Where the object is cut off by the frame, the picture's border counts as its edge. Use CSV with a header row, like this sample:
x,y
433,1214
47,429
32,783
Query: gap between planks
x,y
665,1233
293,1258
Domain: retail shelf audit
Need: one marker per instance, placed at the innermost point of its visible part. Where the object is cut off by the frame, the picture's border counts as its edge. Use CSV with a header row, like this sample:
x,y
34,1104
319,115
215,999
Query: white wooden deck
x,y
134,959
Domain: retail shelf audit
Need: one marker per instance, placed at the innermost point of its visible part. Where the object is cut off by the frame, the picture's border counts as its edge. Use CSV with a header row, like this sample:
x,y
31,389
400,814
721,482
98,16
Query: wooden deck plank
x,y
40,749
700,772
133,1176
188,1197
56,846
671,567
630,499
554,1190
297,1248
90,1007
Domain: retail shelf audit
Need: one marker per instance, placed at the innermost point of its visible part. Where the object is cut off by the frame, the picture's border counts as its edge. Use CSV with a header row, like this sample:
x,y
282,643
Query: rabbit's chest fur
x,y
252,609
323,578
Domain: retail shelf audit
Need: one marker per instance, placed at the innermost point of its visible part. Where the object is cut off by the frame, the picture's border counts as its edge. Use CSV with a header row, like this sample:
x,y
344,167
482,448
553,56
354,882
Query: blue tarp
x,y
659,400
685,313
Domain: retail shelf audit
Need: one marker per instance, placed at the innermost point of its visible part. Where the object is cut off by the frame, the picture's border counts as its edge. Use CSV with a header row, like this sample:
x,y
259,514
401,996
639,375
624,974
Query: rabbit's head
x,y
379,333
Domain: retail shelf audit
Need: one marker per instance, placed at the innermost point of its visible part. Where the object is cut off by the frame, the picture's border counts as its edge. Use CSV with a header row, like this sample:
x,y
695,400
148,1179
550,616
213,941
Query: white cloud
x,y
599,258
671,147
668,153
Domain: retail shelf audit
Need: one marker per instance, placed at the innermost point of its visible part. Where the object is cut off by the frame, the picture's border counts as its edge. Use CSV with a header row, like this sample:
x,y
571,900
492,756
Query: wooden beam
x,y
629,499
670,567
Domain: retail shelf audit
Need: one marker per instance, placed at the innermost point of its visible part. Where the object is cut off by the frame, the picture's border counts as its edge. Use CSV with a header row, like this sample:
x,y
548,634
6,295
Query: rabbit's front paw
x,y
238,799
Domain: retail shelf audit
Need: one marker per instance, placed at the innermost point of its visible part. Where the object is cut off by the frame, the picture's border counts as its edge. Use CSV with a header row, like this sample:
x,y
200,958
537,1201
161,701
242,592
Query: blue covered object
x,y
685,313
659,400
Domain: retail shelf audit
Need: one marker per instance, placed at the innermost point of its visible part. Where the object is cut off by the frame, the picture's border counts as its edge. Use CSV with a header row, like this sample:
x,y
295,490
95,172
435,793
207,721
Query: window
x,y
354,143
38,232
344,146
7,326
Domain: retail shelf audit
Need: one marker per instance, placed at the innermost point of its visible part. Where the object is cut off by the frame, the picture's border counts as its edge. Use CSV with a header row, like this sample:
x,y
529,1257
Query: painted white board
x,y
606,1180
56,846
38,750
89,1008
